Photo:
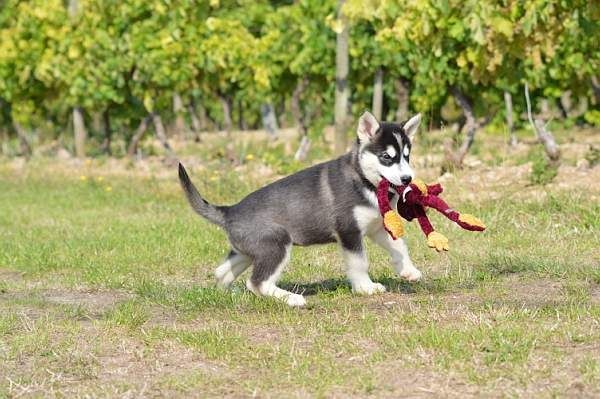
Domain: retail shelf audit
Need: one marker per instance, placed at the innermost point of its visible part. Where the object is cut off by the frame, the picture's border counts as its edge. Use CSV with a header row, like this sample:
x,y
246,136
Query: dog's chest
x,y
368,217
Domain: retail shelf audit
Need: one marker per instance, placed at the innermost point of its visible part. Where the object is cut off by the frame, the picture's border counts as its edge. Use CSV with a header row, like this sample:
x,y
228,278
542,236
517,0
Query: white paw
x,y
295,300
368,288
224,275
224,280
411,273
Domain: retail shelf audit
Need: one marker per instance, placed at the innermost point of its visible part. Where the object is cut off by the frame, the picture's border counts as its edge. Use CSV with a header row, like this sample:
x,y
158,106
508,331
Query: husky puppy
x,y
328,202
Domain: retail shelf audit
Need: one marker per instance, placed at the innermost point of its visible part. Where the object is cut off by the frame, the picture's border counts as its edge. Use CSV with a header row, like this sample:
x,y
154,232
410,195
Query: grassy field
x,y
106,289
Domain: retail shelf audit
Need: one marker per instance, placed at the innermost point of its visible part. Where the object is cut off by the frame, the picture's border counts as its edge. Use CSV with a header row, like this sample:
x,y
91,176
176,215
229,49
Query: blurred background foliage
x,y
109,69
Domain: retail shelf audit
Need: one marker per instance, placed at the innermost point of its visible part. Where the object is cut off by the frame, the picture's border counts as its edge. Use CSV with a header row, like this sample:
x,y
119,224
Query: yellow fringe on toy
x,y
470,219
421,186
393,223
438,241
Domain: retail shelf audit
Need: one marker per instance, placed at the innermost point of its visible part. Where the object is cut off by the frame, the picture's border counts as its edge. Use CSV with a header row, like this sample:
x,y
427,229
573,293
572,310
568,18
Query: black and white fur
x,y
328,202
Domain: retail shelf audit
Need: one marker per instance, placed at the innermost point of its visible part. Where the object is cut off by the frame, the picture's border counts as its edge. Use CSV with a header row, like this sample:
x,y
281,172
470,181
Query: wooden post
x,y
107,132
227,121
342,91
23,140
269,120
378,94
79,132
509,118
178,109
596,89
300,119
402,95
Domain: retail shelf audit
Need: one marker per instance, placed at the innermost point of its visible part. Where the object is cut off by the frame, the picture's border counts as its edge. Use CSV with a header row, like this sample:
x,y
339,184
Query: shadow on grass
x,y
340,285
330,285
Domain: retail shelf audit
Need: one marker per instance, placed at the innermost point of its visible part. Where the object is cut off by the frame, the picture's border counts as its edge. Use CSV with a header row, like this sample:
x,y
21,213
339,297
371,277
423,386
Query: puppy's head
x,y
384,149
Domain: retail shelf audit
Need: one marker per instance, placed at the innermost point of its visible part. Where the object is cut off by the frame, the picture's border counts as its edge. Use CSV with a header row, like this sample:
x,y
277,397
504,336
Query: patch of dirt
x,y
160,316
100,363
397,380
264,335
538,292
558,378
132,359
34,301
94,300
494,183
7,275
456,307
394,302
572,177
145,370
546,375
595,294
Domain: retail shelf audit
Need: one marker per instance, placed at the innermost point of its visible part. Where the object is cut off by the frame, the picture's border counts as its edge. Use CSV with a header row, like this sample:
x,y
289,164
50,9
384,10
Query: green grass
x,y
110,293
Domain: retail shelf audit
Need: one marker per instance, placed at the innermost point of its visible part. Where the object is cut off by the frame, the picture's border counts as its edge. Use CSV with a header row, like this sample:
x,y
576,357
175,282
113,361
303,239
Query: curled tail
x,y
210,212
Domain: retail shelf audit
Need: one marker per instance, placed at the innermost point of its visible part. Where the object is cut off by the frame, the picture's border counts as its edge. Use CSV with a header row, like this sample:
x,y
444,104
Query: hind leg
x,y
234,265
273,253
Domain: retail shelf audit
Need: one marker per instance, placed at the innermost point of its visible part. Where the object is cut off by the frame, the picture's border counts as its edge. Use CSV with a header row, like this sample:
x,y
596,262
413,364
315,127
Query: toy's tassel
x,y
392,221
393,224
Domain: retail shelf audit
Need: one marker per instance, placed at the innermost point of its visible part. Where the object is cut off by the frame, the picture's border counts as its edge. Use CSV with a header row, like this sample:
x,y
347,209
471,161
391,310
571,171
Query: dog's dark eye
x,y
386,156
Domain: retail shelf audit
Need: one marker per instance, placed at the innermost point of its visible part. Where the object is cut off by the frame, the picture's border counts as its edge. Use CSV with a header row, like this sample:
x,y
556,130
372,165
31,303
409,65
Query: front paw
x,y
295,300
411,274
368,288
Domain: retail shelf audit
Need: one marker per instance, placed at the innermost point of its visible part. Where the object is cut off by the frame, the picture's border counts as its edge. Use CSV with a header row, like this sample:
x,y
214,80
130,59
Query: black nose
x,y
406,179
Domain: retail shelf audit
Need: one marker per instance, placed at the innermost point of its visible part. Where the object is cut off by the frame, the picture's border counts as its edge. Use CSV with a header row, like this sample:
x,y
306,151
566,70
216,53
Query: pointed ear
x,y
411,126
367,127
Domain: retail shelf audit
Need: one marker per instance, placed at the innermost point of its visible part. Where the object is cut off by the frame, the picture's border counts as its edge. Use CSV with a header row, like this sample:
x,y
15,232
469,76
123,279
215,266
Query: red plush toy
x,y
414,198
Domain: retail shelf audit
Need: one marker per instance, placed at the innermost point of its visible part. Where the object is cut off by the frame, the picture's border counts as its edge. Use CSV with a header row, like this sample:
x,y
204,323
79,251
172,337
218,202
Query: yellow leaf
x,y
503,26
471,55
148,102
537,57
160,8
211,23
73,52
495,61
261,76
400,28
165,41
337,26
